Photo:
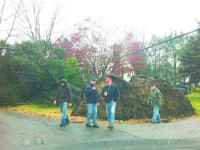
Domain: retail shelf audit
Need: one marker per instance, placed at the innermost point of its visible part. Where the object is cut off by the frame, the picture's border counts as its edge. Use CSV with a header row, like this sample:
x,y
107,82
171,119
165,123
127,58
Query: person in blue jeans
x,y
92,102
155,102
111,94
64,97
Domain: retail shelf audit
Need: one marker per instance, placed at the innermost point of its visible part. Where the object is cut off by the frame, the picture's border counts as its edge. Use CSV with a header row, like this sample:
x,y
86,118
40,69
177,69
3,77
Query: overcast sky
x,y
143,17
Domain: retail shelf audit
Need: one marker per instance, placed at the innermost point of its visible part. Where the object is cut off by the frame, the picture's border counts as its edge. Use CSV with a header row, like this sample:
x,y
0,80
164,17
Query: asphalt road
x,y
24,132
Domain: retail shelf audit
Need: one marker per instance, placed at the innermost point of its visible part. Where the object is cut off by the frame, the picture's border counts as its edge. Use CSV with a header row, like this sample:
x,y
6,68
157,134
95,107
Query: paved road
x,y
23,132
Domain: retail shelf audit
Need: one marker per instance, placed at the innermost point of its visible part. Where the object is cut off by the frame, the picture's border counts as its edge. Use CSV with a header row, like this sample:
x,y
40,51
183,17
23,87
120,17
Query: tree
x,y
163,58
35,68
172,48
32,21
97,54
88,43
9,13
131,60
138,59
189,57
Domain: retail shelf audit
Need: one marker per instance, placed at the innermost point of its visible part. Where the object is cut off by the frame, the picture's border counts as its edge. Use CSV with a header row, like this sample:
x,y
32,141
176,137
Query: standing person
x,y
64,97
92,102
111,94
155,102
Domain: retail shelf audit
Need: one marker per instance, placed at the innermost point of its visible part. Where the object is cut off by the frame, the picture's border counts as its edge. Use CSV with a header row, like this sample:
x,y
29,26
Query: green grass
x,y
42,110
36,109
194,98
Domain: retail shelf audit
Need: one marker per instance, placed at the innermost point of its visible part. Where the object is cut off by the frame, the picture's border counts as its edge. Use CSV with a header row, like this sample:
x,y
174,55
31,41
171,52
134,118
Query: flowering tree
x,y
96,52
136,59
88,43
127,55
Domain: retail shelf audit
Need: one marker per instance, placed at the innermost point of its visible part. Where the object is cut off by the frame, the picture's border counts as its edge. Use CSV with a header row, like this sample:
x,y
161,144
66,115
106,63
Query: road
x,y
24,132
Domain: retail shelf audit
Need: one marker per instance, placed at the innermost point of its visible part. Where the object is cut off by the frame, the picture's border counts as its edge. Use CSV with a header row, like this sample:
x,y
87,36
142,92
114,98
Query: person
x,y
111,94
64,97
155,102
92,102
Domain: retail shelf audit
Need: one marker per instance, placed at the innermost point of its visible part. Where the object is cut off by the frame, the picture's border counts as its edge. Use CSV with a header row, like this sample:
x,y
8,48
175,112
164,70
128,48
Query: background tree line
x,y
31,68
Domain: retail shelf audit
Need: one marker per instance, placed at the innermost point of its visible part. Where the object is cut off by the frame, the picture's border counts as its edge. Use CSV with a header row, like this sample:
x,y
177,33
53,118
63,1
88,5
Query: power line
x,y
189,73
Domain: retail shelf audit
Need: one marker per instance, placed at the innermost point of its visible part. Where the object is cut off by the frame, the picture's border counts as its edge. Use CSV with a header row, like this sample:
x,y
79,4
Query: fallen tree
x,y
133,98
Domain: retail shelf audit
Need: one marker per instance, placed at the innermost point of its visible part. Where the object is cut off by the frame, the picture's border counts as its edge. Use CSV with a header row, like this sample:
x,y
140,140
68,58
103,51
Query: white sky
x,y
143,17
146,17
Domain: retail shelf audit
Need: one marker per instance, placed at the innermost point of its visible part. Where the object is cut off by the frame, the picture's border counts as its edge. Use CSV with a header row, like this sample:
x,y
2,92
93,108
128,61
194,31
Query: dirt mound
x,y
133,98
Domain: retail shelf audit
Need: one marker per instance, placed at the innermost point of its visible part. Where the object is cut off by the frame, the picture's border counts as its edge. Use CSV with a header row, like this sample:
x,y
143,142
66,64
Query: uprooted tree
x,y
133,98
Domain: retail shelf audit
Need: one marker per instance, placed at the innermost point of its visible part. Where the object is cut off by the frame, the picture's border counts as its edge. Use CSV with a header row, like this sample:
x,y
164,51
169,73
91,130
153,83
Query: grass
x,y
194,98
35,109
42,110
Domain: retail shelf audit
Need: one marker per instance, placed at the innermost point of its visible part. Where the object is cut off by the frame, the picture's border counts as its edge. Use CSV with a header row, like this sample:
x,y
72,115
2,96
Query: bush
x,y
7,98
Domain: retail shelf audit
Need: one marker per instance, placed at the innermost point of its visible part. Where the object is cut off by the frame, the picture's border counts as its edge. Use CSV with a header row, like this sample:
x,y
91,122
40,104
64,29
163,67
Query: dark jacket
x,y
113,93
64,95
91,95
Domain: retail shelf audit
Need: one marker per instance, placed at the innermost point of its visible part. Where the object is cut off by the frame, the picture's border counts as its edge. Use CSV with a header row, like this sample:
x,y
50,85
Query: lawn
x,y
41,110
194,98
35,109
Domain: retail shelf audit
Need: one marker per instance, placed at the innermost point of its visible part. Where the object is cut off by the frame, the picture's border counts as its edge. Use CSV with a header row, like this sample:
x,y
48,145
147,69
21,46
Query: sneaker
x,y
95,126
156,121
66,123
153,121
110,126
67,120
62,125
88,125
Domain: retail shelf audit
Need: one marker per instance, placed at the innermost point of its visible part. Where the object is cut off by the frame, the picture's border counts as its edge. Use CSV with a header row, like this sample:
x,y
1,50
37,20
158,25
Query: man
x,y
64,97
111,94
155,102
92,102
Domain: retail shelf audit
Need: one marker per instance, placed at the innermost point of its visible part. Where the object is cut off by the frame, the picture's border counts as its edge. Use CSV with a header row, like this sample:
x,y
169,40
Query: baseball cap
x,y
108,79
93,79
152,84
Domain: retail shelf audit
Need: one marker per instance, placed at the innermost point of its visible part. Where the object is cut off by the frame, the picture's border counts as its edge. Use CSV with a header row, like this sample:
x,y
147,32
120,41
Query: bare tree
x,y
8,20
31,21
2,10
52,24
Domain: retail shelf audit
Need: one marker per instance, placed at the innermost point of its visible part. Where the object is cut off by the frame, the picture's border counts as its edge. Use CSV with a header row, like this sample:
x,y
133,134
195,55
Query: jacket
x,y
154,98
91,95
64,94
112,93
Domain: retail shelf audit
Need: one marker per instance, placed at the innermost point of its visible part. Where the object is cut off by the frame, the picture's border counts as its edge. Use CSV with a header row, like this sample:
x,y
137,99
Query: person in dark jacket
x,y
92,102
64,98
111,94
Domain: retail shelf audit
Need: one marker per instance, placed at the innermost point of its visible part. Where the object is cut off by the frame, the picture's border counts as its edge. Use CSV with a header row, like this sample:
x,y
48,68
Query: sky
x,y
146,17
143,17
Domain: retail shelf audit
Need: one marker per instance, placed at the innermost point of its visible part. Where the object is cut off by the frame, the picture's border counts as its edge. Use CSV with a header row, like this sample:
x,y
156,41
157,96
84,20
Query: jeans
x,y
156,114
110,110
63,109
92,112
